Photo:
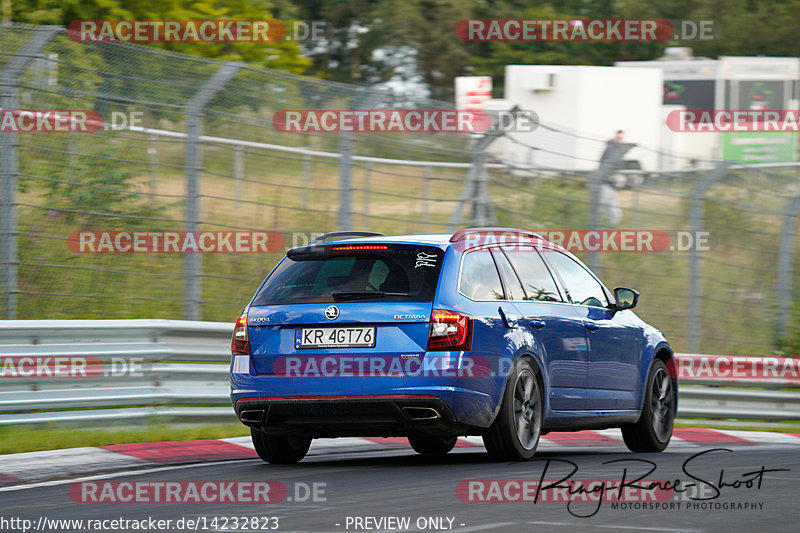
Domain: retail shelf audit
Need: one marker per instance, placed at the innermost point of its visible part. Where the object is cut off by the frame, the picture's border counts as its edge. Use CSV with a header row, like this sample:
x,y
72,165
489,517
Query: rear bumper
x,y
362,405
349,416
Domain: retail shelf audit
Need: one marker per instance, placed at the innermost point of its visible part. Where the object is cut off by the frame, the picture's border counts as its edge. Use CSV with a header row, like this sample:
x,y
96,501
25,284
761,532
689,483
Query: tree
x,y
283,55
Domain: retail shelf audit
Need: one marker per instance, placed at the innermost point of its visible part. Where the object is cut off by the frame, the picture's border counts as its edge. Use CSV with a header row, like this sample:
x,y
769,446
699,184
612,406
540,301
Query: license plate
x,y
341,337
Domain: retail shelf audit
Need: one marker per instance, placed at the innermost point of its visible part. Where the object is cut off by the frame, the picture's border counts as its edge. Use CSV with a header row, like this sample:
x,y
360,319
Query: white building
x,y
580,108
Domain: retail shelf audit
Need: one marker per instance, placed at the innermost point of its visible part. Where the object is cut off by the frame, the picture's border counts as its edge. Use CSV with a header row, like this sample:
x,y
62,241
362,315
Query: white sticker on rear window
x,y
425,260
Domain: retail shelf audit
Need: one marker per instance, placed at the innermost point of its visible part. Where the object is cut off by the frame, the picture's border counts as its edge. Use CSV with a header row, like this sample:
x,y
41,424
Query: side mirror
x,y
626,298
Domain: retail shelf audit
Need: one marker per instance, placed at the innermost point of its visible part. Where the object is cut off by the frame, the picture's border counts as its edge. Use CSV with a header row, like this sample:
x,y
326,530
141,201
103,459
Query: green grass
x,y
14,439
743,425
738,274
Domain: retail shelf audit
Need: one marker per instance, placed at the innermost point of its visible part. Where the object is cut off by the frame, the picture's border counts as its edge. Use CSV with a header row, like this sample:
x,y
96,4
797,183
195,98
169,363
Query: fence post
x,y
152,152
365,209
306,179
345,222
364,99
9,164
476,185
194,164
467,191
596,181
426,194
476,192
785,251
482,209
238,171
696,216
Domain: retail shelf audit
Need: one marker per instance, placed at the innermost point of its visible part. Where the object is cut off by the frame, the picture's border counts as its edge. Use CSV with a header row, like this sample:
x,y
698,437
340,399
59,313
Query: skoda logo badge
x,y
332,312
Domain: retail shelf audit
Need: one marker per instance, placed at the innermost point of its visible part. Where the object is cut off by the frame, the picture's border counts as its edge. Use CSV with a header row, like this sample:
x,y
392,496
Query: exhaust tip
x,y
421,413
251,416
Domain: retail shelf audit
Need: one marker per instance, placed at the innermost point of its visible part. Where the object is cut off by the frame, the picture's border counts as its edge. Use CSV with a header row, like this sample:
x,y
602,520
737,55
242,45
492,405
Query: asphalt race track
x,y
354,485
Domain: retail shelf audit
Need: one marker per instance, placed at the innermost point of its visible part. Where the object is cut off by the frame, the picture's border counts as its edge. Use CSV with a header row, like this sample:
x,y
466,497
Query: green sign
x,y
750,147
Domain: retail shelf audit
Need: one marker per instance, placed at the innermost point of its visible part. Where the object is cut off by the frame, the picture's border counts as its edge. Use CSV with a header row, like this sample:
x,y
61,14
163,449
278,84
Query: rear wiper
x,y
356,295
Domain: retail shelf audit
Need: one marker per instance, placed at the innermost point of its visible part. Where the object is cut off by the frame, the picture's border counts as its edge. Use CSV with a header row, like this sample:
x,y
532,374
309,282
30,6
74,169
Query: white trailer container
x,y
580,108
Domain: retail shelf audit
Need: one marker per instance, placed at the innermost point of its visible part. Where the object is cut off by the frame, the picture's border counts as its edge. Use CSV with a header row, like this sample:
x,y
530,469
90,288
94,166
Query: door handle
x,y
592,327
537,323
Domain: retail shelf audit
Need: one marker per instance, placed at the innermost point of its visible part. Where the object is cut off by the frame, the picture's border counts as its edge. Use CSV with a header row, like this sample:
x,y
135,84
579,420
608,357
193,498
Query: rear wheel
x,y
515,432
430,445
654,429
277,449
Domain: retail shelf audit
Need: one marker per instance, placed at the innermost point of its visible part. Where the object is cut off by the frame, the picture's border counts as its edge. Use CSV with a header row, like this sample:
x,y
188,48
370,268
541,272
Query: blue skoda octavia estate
x,y
489,331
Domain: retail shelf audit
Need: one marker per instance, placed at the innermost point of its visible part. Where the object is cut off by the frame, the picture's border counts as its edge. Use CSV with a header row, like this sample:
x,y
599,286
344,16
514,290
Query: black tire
x,y
279,450
432,445
515,433
654,429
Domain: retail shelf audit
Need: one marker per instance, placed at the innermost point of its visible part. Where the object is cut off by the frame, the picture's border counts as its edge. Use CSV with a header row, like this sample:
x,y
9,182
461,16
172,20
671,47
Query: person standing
x,y
608,198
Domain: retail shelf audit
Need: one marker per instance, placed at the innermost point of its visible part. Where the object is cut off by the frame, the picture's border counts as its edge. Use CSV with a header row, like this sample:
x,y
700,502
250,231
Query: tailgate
x,y
360,329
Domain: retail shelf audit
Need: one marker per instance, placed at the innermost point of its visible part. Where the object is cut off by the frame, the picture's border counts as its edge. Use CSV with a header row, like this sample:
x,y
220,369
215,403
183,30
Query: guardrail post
x,y
696,216
9,164
194,164
596,181
785,250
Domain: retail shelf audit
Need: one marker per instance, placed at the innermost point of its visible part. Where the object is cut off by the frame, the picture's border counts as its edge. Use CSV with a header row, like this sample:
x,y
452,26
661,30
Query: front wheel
x,y
515,432
654,429
279,450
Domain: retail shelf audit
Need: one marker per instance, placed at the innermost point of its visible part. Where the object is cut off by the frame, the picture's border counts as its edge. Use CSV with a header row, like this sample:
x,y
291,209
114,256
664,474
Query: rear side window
x,y
479,277
535,276
512,283
398,274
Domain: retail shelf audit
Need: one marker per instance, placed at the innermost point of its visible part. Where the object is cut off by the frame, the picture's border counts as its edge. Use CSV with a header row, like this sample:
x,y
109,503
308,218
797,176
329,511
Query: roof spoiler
x,y
344,235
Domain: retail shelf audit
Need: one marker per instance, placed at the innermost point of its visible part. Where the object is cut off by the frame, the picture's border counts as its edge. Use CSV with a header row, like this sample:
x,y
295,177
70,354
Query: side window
x,y
513,288
479,277
536,278
582,287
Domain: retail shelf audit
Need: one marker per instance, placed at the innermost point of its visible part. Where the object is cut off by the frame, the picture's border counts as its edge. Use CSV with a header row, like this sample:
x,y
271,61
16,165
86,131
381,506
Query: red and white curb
x,y
37,466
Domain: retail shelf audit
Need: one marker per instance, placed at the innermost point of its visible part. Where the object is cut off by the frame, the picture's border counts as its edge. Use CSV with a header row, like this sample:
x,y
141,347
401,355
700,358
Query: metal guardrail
x,y
180,371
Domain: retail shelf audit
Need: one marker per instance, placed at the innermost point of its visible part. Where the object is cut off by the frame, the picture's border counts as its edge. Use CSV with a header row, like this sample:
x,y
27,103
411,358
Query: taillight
x,y
449,330
240,345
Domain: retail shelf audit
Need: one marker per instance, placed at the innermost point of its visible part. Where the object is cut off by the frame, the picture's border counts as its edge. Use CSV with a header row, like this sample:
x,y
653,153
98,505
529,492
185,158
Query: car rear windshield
x,y
374,272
